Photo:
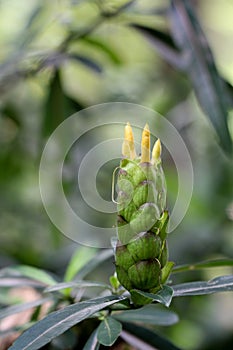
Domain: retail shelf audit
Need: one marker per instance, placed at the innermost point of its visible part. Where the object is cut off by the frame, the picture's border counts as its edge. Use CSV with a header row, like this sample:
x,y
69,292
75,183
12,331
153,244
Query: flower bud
x,y
141,254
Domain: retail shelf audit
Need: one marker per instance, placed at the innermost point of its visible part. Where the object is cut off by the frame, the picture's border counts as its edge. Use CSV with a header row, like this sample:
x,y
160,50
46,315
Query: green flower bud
x,y
141,254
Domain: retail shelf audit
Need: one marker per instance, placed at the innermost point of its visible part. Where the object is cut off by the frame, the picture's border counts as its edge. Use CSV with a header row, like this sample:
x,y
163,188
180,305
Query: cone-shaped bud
x,y
156,152
141,254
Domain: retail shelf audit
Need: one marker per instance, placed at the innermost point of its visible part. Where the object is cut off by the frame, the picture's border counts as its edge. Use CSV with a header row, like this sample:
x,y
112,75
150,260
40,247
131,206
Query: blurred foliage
x,y
58,57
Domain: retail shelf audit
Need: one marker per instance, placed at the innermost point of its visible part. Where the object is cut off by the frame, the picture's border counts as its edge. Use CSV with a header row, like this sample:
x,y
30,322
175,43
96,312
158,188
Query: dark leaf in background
x,y
58,106
187,49
55,106
200,66
148,337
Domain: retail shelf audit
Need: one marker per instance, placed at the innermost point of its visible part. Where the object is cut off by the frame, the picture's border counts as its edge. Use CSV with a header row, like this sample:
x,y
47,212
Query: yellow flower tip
x,y
129,133
128,149
146,127
145,145
156,152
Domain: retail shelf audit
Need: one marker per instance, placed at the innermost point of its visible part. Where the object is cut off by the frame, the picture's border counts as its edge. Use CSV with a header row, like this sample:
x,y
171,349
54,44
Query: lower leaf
x,y
108,331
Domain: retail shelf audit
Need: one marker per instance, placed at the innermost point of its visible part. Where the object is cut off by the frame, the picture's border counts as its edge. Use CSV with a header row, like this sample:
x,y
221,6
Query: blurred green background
x,y
58,57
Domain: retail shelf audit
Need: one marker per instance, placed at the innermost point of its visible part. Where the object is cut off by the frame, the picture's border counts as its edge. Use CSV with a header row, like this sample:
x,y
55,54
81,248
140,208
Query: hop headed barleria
x,y
141,254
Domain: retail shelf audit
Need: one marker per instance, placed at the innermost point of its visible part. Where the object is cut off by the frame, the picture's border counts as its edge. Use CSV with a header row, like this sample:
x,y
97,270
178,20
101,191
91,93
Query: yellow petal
x,y
145,145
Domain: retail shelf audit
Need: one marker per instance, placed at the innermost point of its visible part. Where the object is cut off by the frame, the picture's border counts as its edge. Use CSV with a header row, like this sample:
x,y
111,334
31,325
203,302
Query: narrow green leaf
x,y
11,310
218,284
108,331
30,272
147,336
60,321
80,259
149,314
203,265
92,343
211,93
76,284
164,296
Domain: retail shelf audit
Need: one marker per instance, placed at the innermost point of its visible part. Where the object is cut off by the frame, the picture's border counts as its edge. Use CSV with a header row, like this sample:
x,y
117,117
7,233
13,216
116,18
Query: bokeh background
x,y
58,57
